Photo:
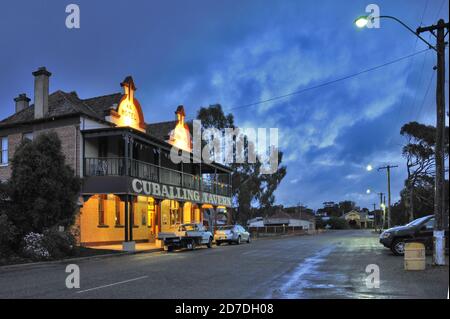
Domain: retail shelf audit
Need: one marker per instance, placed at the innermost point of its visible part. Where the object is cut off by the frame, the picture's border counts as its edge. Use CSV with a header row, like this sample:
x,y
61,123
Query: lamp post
x,y
439,197
382,206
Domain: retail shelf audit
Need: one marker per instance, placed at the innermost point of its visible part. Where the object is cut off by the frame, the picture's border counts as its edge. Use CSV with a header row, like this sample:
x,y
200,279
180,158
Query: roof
x,y
162,130
61,104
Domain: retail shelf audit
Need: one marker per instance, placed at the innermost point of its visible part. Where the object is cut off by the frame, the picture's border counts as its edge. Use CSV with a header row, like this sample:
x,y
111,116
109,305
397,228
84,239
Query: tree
x,y
419,154
346,206
43,189
249,185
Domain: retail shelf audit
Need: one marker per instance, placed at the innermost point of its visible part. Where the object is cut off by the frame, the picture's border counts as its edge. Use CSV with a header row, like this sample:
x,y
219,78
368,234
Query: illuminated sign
x,y
129,112
143,187
180,136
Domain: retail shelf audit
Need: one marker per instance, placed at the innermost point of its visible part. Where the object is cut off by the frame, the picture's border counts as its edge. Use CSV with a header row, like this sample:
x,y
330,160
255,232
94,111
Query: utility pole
x,y
388,169
439,196
383,221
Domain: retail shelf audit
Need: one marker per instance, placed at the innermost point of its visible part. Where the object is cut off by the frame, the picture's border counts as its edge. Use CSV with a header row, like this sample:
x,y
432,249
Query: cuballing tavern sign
x,y
178,193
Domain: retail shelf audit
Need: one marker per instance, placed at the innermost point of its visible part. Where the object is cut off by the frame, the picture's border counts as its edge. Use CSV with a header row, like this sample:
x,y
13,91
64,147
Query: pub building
x,y
131,190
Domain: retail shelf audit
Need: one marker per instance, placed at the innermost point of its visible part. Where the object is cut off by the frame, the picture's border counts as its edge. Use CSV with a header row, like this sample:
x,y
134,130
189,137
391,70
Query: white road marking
x,y
113,284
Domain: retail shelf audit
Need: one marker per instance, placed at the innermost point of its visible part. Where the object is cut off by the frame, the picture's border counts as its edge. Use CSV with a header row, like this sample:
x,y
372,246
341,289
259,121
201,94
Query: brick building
x,y
131,189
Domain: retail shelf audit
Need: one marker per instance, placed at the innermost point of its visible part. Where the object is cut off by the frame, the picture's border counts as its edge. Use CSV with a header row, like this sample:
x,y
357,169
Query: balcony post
x,y
126,217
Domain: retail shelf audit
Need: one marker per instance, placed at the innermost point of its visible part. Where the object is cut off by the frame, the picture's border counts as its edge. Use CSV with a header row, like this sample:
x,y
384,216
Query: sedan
x,y
231,234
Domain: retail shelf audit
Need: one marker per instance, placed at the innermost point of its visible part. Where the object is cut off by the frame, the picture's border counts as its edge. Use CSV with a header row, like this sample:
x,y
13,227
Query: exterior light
x,y
369,168
368,191
362,21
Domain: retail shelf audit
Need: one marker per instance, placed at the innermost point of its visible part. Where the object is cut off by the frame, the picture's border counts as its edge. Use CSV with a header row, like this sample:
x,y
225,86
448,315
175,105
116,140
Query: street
x,y
329,265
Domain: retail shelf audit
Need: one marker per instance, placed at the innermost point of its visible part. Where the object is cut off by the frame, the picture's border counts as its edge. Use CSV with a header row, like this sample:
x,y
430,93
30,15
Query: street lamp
x,y
363,21
369,168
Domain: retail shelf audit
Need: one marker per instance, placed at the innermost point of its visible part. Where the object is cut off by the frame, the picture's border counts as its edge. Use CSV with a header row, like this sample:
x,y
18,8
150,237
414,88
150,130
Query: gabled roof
x,y
64,104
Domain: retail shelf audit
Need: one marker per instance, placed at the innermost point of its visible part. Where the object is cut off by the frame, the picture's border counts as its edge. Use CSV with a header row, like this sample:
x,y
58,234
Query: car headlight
x,y
385,235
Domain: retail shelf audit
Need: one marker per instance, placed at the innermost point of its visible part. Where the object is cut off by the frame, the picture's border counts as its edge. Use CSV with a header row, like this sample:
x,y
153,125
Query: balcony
x,y
108,166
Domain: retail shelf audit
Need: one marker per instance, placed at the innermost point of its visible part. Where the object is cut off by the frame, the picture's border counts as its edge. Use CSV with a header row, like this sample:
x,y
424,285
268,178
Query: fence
x,y
266,231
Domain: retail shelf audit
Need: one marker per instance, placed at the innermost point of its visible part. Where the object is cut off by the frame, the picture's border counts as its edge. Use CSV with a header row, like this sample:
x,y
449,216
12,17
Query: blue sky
x,y
234,53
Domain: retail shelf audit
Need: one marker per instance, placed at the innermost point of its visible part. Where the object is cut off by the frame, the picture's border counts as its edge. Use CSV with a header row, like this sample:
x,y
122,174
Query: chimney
x,y
41,86
22,102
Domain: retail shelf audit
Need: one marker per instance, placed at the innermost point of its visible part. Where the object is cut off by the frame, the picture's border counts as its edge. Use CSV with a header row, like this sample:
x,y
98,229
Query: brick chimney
x,y
41,87
22,102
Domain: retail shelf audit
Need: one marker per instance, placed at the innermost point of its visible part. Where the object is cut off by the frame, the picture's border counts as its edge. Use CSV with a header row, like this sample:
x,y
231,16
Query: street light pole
x,y
439,195
388,169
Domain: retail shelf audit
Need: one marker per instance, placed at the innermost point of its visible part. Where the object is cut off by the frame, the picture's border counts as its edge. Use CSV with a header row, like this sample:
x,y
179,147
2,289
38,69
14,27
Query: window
x,y
101,210
117,202
429,225
27,136
4,159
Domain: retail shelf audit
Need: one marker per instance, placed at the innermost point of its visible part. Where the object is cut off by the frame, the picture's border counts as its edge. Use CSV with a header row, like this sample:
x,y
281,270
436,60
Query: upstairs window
x,y
27,136
4,158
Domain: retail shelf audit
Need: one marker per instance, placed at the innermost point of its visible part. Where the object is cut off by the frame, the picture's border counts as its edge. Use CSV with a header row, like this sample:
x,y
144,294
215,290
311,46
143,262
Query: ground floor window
x,y
101,210
117,211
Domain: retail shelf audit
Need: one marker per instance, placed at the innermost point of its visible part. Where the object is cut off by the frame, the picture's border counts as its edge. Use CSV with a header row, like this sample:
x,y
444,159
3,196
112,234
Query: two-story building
x,y
131,189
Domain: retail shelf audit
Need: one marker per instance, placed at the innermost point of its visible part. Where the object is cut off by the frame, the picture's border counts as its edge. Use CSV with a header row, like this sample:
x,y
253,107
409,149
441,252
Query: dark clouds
x,y
237,52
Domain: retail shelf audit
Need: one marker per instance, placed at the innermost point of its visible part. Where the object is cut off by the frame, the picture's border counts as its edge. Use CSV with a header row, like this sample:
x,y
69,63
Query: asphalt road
x,y
329,265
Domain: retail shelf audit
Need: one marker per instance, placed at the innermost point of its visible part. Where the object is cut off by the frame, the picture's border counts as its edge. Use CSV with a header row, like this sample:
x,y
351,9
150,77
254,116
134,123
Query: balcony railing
x,y
115,166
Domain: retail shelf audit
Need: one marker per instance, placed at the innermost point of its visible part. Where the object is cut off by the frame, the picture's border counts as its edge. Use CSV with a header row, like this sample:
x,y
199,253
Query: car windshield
x,y
418,221
225,227
188,227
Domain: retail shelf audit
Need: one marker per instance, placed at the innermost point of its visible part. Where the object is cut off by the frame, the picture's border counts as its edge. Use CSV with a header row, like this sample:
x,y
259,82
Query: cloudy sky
x,y
237,52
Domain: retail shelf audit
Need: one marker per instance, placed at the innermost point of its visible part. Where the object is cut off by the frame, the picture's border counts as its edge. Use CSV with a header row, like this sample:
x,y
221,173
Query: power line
x,y
328,82
439,11
425,97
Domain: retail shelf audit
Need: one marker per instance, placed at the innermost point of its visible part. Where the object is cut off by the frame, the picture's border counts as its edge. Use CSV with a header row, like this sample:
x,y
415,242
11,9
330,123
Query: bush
x,y
34,246
8,236
59,244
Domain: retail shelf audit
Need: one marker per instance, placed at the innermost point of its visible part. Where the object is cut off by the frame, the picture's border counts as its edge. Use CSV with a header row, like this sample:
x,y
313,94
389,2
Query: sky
x,y
237,52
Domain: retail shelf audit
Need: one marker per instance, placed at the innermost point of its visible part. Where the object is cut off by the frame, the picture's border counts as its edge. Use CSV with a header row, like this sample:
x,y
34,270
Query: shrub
x,y
59,243
8,236
34,246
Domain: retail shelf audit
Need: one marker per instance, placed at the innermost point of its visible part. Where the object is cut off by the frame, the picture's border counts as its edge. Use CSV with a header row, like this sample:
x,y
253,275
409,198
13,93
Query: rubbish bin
x,y
415,256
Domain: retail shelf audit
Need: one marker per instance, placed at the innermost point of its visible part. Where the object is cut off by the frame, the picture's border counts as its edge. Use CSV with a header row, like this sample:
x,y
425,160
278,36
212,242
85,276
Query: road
x,y
329,265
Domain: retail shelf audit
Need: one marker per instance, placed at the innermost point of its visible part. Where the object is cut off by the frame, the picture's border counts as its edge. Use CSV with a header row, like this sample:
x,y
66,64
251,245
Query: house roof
x,y
61,104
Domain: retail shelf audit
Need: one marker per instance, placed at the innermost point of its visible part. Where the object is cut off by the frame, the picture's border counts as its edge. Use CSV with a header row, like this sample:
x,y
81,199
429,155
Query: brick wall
x,y
70,144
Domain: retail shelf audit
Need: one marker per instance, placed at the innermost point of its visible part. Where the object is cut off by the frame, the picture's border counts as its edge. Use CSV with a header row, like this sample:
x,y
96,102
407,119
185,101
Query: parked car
x,y
420,230
231,234
188,236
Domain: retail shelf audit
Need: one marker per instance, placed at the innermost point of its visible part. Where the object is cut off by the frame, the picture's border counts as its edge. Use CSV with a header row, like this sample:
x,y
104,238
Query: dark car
x,y
420,230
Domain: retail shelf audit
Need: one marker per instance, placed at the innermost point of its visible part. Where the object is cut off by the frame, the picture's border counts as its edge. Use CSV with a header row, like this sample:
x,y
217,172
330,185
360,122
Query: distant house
x,y
281,219
357,219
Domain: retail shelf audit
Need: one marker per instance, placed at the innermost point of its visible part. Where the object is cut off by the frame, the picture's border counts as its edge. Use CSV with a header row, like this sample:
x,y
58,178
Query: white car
x,y
231,234
187,236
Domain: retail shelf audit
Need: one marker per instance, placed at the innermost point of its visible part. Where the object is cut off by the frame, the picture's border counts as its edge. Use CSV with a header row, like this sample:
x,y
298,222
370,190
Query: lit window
x,y
4,159
118,221
101,210
27,136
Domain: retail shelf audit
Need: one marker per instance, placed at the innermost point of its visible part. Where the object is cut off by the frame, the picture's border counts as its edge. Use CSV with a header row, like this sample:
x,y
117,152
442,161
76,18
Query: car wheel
x,y
209,244
398,247
238,241
191,245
